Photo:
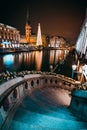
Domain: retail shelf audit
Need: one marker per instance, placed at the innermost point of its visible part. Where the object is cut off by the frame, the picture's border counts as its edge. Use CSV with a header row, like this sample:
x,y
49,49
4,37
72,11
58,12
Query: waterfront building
x,y
56,41
9,36
29,38
81,44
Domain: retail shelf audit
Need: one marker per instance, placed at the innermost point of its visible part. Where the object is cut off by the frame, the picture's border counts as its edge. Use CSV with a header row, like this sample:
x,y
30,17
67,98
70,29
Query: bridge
x,y
15,90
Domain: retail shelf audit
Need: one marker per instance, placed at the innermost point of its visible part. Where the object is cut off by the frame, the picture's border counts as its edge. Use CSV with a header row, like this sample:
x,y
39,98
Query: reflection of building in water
x,y
28,59
9,36
20,58
51,57
62,54
38,60
8,59
56,55
29,38
57,41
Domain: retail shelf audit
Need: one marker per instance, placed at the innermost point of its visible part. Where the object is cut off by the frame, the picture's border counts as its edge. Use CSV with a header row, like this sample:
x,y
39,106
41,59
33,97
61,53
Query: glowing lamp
x,y
74,67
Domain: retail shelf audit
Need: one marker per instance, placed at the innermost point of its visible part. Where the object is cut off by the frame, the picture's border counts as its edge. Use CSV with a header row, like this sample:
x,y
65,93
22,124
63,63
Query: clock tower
x,y
28,28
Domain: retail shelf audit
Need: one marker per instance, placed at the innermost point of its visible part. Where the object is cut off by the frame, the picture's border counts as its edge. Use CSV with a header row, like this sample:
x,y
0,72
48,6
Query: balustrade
x,y
14,93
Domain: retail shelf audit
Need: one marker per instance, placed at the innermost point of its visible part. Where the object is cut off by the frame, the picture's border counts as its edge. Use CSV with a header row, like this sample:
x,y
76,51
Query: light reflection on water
x,y
38,60
35,60
8,60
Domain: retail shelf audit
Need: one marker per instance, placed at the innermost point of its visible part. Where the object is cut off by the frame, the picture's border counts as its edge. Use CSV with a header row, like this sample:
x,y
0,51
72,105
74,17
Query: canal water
x,y
36,60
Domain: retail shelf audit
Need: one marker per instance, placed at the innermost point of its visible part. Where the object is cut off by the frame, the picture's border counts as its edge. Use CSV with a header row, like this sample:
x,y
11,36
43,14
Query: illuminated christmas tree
x,y
39,37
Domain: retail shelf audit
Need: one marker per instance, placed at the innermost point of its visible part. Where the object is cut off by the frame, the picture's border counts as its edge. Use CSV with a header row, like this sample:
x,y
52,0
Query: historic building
x,y
29,38
9,36
81,44
57,41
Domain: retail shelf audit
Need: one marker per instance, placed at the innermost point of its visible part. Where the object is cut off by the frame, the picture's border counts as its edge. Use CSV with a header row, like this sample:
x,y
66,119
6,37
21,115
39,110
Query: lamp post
x,y
73,70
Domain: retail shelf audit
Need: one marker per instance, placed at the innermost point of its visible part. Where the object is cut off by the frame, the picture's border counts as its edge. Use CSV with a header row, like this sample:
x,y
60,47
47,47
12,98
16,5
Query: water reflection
x,y
36,60
56,55
8,60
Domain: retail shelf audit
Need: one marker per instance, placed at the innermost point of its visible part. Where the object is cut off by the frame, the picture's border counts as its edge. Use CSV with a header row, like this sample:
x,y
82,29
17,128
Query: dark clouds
x,y
57,17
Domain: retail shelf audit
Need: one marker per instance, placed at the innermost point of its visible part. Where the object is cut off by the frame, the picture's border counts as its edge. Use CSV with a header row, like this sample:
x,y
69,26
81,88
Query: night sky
x,y
57,17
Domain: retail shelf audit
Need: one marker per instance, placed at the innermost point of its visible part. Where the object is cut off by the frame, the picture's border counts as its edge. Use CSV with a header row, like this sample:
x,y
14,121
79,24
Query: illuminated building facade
x,y
9,36
56,41
29,38
81,44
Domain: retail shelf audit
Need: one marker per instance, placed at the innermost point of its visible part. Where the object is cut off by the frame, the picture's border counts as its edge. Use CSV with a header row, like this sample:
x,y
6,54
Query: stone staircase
x,y
41,111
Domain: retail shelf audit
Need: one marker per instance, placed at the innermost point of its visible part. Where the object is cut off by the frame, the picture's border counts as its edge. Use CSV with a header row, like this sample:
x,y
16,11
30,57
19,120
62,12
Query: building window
x,y
0,28
5,29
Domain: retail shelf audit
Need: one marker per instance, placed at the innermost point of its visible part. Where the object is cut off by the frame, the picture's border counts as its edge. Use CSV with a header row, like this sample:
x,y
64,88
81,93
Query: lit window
x,y
5,29
7,46
1,28
2,40
3,46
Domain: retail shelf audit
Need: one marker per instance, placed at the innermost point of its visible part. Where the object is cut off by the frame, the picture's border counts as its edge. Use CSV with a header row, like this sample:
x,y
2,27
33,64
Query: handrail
x,y
9,90
43,74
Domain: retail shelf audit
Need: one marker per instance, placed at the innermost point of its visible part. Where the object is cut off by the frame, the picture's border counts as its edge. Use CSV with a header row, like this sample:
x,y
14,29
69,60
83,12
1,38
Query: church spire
x,y
27,28
27,17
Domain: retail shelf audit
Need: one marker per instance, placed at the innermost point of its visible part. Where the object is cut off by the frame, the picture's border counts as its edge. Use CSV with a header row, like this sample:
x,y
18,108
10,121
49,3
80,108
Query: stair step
x,y
50,107
23,112
40,111
40,121
59,112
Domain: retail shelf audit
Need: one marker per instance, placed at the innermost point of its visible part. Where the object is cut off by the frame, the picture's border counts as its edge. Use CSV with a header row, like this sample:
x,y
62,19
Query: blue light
x,y
6,42
8,59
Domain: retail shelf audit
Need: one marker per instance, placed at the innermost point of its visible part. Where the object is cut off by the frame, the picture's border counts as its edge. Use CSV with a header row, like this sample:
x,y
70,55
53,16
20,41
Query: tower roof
x,y
27,17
